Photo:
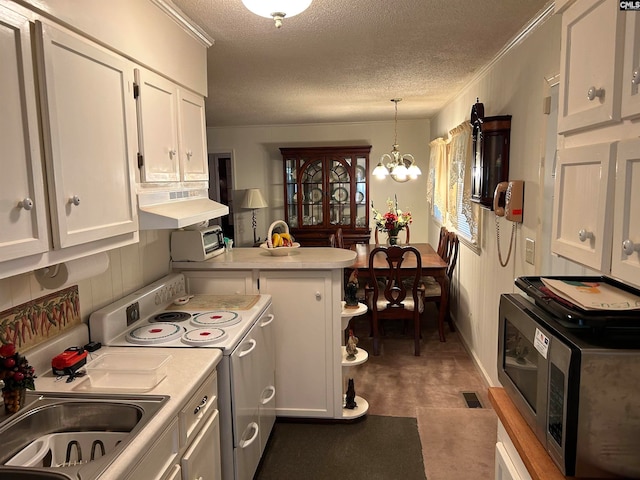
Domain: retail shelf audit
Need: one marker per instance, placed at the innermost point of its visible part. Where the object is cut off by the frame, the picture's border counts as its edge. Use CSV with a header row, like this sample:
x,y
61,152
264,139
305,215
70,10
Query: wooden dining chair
x,y
431,288
406,240
390,295
339,238
442,241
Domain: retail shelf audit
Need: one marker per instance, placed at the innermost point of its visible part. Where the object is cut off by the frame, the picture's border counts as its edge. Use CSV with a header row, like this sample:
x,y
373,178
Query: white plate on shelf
x,y
341,194
361,173
316,195
359,197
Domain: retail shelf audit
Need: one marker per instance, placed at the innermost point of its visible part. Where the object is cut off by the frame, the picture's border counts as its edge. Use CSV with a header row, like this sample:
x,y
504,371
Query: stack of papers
x,y
593,295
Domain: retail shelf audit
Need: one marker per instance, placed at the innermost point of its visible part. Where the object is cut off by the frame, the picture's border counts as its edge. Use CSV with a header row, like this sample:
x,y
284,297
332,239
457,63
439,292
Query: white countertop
x,y
303,258
187,369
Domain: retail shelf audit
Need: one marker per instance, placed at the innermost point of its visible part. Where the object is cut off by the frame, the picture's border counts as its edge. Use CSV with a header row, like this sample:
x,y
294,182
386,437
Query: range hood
x,y
171,209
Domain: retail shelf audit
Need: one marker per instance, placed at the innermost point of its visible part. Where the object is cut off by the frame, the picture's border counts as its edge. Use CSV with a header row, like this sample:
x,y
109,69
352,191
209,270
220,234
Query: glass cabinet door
x,y
291,185
311,183
360,200
339,188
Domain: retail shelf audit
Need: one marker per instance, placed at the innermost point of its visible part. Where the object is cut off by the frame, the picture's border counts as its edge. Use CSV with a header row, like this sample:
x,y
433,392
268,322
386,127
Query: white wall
x,y
130,268
515,85
258,163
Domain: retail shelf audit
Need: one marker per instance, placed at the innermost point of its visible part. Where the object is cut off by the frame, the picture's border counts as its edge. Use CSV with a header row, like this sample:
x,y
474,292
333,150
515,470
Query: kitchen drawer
x,y
198,409
160,457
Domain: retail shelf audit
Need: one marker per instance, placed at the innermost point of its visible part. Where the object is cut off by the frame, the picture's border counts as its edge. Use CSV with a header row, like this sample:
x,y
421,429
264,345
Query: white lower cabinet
x,y
189,448
509,465
307,371
198,462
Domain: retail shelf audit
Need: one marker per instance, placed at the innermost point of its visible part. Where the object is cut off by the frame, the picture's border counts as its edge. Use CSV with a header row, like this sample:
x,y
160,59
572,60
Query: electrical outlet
x,y
530,251
133,313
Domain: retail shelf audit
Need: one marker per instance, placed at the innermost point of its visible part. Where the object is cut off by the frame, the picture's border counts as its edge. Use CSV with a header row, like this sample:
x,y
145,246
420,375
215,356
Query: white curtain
x,y
437,185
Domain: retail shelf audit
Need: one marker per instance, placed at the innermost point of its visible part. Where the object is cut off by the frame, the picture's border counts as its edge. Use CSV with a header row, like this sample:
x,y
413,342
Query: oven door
x,y
523,365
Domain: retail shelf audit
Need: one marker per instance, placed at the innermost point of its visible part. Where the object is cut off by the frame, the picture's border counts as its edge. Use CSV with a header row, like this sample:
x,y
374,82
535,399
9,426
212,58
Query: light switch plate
x,y
530,250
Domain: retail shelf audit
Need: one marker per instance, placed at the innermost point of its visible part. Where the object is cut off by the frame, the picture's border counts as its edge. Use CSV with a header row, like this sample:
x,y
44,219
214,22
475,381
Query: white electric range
x,y
163,314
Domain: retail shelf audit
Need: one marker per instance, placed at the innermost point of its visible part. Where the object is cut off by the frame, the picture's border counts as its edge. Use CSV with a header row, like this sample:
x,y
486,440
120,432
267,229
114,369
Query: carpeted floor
x,y
373,448
457,442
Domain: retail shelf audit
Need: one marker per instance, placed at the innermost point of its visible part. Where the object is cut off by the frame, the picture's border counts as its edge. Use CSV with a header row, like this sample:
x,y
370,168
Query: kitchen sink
x,y
71,436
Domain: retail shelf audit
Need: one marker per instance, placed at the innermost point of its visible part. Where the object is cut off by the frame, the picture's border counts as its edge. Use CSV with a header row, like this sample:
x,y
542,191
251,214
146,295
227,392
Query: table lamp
x,y
253,199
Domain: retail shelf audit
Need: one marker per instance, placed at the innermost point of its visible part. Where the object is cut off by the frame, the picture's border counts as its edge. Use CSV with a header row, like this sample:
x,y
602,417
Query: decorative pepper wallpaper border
x,y
38,320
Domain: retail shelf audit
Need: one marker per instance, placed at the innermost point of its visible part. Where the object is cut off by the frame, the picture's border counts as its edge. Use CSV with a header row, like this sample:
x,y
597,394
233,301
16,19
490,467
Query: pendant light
x,y
277,9
401,167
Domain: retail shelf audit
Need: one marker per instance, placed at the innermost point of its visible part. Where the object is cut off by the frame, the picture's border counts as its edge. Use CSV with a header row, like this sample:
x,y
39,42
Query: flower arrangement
x,y
15,370
394,220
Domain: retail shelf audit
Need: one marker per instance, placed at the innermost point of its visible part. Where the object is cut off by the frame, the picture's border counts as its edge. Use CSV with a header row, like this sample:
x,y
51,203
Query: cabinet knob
x,y
635,80
75,200
27,204
594,93
583,235
172,153
318,296
189,154
628,247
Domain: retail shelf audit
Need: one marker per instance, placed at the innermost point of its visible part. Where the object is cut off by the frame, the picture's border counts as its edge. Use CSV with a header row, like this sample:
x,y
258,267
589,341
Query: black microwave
x,y
576,385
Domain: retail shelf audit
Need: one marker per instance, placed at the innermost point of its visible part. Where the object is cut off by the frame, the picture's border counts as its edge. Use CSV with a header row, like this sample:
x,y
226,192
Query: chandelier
x,y
277,9
401,168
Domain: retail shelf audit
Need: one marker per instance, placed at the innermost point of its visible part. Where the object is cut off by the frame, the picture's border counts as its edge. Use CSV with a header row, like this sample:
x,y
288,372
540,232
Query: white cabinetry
x,y
307,373
190,447
171,130
89,137
23,217
509,465
625,261
631,68
597,208
583,197
591,69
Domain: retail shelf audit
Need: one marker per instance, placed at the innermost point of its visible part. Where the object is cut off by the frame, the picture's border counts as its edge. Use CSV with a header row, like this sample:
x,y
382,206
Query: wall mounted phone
x,y
507,202
508,199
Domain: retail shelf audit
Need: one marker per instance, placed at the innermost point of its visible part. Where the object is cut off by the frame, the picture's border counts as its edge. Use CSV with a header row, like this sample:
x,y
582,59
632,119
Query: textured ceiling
x,y
344,60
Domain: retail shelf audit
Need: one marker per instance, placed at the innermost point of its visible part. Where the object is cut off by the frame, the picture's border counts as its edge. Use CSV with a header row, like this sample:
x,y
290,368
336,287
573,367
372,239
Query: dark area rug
x,y
371,448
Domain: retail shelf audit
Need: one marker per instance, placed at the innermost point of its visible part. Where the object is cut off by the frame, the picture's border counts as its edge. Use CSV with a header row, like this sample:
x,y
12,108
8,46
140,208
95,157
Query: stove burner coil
x,y
171,316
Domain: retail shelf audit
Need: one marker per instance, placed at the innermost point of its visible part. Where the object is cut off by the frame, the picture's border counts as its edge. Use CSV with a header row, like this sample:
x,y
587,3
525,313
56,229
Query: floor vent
x,y
471,399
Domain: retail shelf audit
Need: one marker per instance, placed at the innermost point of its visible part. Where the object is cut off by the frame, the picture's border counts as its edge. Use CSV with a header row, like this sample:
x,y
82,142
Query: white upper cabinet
x,y
23,219
631,70
88,114
625,262
192,128
582,205
591,68
171,130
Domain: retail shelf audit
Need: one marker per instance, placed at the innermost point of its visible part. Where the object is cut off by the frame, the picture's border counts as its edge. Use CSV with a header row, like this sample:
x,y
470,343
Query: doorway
x,y
221,189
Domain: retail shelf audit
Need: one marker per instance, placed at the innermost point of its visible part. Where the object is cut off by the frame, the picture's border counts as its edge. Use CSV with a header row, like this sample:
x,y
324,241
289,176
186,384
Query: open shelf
x,y
361,408
361,356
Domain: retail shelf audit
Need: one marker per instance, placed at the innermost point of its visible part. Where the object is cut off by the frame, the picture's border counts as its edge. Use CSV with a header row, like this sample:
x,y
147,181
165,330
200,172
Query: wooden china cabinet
x,y
326,188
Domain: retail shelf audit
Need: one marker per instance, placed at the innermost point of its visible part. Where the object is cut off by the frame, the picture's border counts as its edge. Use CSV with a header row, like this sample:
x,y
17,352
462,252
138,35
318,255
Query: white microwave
x,y
196,245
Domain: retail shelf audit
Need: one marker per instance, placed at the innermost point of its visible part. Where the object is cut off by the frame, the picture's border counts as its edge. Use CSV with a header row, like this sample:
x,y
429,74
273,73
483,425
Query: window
x,y
449,189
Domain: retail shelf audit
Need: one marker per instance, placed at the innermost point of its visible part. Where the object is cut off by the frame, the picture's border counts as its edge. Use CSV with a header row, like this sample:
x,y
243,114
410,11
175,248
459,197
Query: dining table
x,y
432,265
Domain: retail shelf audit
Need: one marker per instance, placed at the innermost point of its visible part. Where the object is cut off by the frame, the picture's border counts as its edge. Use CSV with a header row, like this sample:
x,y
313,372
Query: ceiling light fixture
x,y
402,168
277,9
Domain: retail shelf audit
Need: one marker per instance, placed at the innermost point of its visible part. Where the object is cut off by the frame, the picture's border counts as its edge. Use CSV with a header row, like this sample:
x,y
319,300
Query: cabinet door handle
x,y
75,200
203,402
318,296
172,153
583,235
253,344
594,93
245,443
189,154
628,247
272,393
27,204
635,79
267,321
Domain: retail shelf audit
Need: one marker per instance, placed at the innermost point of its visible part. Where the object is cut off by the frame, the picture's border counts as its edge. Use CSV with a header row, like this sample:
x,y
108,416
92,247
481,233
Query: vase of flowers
x,y
393,221
18,377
